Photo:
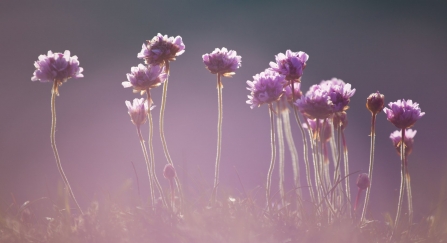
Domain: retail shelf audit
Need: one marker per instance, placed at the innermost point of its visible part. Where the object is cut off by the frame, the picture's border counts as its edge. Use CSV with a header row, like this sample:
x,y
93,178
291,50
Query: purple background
x,y
398,48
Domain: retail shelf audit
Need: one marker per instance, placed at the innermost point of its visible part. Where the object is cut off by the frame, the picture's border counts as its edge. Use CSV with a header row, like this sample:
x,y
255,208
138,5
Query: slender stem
x,y
151,150
402,183
279,130
346,168
409,196
337,164
357,199
219,136
171,185
148,166
272,161
305,152
54,93
371,163
162,133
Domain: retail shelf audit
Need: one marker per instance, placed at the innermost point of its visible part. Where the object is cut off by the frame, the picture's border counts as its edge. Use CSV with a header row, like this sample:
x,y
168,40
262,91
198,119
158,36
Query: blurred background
x,y
396,47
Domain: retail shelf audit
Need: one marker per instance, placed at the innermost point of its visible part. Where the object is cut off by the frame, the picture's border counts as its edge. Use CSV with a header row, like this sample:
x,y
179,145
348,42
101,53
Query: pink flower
x,y
339,92
403,113
222,62
396,138
266,87
363,181
297,92
142,78
290,65
138,111
57,66
316,103
161,49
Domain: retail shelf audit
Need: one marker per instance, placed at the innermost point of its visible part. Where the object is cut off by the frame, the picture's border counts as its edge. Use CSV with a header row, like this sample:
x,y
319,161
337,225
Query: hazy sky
x,y
396,47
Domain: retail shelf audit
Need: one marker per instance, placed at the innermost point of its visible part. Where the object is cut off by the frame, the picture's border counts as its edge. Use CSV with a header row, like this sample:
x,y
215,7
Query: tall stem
x,y
346,168
162,132
371,163
272,161
54,93
409,196
305,152
402,183
219,136
148,166
279,130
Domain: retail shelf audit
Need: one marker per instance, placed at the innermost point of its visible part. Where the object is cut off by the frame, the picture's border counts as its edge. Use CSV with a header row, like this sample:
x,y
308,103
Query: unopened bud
x,y
375,102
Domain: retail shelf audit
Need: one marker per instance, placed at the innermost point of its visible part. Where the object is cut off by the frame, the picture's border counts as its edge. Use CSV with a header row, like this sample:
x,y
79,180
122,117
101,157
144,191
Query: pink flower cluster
x,y
222,61
161,49
57,66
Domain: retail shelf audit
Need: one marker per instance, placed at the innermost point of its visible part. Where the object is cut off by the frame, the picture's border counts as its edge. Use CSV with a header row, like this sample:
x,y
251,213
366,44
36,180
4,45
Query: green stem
x,y
272,161
219,136
54,93
371,163
162,133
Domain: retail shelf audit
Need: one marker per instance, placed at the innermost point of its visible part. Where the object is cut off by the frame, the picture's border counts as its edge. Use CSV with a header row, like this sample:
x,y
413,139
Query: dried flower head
x,y
266,87
363,181
142,78
375,102
403,113
339,92
316,103
169,172
396,138
290,64
222,61
161,49
297,92
138,111
56,67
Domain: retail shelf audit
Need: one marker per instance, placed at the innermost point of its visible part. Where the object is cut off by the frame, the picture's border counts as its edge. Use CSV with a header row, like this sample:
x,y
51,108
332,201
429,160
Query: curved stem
x,y
151,150
371,163
409,196
162,133
219,136
148,166
305,152
346,168
272,161
280,132
54,93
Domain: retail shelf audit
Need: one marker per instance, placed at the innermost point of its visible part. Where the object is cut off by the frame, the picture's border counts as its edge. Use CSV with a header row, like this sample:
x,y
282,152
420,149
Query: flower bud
x,y
363,181
375,102
169,172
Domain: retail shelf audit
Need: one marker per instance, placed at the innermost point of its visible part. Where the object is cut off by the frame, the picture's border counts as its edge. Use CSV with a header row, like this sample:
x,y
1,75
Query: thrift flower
x,y
316,103
403,113
266,87
161,49
288,92
339,92
142,78
138,111
375,102
290,64
396,138
222,62
56,67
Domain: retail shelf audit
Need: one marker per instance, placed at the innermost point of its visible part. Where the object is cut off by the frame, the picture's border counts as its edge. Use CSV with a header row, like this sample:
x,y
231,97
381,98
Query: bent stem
x,y
151,150
219,137
402,184
54,93
371,163
162,133
148,166
272,161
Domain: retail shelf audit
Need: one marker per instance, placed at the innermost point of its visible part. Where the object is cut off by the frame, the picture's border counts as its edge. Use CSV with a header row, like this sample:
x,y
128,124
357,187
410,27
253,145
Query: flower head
x,y
266,87
396,138
316,103
169,172
57,67
142,78
161,49
290,64
403,113
375,102
222,62
138,111
297,92
339,92
363,181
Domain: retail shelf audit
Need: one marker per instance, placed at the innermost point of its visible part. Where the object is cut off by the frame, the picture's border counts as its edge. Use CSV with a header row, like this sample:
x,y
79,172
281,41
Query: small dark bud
x,y
375,102
363,181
